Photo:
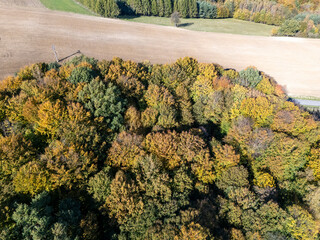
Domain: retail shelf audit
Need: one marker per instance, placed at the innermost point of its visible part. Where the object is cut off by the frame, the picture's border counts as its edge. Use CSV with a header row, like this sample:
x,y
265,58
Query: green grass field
x,y
229,25
205,25
306,98
66,6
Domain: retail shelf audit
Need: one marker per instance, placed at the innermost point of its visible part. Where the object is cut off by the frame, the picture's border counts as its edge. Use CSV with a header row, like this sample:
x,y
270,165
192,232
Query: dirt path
x,y
27,35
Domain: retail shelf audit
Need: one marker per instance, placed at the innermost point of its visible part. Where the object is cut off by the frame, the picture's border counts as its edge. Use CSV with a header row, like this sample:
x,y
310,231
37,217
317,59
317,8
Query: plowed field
x,y
21,3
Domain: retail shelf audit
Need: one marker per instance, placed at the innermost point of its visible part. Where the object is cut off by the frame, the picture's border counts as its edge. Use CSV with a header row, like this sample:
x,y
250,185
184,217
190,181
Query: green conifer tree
x,y
161,8
87,3
193,10
138,7
178,6
100,7
185,8
112,9
92,4
154,8
175,6
182,6
33,221
104,101
168,8
146,7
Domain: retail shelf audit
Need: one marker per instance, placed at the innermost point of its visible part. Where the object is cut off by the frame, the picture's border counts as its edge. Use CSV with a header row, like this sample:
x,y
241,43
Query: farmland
x,y
28,33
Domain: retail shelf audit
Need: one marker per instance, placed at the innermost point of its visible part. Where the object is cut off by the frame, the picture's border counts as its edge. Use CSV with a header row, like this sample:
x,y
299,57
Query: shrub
x,y
289,28
242,14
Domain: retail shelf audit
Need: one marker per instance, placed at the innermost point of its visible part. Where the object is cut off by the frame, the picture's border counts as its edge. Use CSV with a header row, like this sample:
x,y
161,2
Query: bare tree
x,y
175,18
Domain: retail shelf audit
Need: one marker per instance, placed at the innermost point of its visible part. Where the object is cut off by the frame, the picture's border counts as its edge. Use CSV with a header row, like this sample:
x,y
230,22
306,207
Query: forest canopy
x,y
123,150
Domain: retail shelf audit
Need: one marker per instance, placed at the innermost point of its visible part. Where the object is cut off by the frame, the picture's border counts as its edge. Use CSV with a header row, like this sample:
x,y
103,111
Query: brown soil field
x,y
28,33
21,3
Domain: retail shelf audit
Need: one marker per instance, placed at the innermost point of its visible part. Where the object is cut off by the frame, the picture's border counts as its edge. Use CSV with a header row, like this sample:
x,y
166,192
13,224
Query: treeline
x,y
105,8
161,8
123,150
302,25
295,18
271,13
211,10
299,18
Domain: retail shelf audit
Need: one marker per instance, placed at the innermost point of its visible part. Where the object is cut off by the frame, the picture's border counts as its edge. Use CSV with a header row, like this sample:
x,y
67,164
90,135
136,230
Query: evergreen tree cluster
x,y
207,10
161,8
105,8
123,150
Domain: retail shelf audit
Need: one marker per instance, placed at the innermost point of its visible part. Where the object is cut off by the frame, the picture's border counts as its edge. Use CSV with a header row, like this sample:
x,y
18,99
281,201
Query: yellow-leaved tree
x,y
50,115
300,224
258,109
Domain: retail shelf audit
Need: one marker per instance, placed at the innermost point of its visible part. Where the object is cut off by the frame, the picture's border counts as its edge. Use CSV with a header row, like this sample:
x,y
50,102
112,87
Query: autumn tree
x,y
67,165
133,119
284,157
123,201
314,162
291,120
297,215
79,129
176,149
161,108
49,117
191,232
32,178
259,109
225,157
15,151
126,151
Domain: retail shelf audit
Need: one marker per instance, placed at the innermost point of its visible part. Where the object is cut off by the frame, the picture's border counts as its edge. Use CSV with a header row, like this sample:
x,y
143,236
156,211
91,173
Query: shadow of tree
x,y
129,16
185,24
77,52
